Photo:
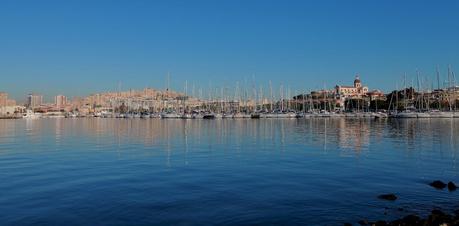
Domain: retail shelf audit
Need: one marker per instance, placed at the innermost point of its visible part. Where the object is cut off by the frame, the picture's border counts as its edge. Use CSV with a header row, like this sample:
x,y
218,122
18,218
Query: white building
x,y
345,92
34,100
3,99
352,91
60,101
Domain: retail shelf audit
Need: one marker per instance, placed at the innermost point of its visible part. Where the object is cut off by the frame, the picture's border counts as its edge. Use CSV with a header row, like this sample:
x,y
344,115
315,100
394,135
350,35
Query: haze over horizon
x,y
80,47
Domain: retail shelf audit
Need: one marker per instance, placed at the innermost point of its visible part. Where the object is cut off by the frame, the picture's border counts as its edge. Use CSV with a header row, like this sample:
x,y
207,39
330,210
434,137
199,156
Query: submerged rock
x,y
390,197
363,222
438,184
451,186
347,224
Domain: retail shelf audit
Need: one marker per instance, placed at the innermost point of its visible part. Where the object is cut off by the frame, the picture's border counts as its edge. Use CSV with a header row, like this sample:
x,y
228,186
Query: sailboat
x,y
186,115
409,111
241,115
170,115
209,115
443,114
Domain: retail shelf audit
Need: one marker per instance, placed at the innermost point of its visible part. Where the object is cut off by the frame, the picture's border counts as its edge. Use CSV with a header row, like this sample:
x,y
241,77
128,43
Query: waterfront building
x,y
3,99
60,101
10,102
34,100
376,95
356,91
11,109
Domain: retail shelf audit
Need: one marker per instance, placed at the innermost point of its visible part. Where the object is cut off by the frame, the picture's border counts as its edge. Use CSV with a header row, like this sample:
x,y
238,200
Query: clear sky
x,y
80,47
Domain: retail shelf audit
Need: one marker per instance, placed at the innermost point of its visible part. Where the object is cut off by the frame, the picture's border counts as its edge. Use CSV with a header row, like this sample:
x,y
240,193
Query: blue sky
x,y
81,47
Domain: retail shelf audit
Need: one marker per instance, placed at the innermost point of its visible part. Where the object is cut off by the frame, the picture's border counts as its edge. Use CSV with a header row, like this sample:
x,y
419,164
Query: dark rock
x,y
397,222
380,223
347,224
363,222
437,217
390,197
451,186
437,212
438,184
411,220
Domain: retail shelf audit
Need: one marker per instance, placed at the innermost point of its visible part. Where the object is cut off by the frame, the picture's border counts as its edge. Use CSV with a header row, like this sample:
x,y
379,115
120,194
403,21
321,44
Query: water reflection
x,y
178,140
355,135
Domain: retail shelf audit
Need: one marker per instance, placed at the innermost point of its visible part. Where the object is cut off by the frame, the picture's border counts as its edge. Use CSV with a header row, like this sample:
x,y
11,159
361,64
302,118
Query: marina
x,y
356,101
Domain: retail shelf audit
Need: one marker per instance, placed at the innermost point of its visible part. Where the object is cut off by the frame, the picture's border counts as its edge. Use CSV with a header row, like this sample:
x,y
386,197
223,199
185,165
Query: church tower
x,y
357,83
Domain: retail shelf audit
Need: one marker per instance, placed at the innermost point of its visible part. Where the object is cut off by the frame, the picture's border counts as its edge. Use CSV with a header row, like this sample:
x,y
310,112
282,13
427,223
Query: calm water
x,y
227,172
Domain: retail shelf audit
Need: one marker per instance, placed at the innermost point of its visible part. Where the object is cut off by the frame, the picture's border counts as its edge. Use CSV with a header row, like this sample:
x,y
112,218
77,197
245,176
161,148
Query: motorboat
x,y
31,115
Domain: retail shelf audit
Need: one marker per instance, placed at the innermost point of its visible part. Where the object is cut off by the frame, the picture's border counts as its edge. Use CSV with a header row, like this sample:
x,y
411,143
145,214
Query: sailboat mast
x,y
404,92
438,78
271,95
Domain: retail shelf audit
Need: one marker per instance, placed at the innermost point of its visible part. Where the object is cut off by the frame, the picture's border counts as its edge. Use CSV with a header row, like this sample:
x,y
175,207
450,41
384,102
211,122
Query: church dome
x,y
357,79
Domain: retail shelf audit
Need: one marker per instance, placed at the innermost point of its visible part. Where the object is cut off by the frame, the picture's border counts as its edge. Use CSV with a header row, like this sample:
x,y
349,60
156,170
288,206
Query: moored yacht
x,y
441,114
145,115
208,116
187,116
423,115
31,115
169,115
381,115
241,115
227,115
255,115
407,114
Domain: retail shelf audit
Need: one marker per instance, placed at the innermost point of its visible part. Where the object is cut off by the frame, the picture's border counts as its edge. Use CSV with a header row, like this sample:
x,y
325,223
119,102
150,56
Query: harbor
x,y
228,113
356,101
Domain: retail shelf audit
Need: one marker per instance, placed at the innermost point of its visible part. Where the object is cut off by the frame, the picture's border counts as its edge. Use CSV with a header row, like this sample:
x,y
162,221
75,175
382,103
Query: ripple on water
x,y
313,171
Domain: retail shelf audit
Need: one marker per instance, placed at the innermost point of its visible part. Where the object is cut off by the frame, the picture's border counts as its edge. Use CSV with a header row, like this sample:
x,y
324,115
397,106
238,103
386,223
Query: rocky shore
x,y
435,218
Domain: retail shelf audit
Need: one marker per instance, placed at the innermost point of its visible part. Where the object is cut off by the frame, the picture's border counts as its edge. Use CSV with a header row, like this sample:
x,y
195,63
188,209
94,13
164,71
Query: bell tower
x,y
357,83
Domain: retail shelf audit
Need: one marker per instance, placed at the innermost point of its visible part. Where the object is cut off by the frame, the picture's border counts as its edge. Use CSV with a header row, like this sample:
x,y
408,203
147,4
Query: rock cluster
x,y
435,218
440,185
